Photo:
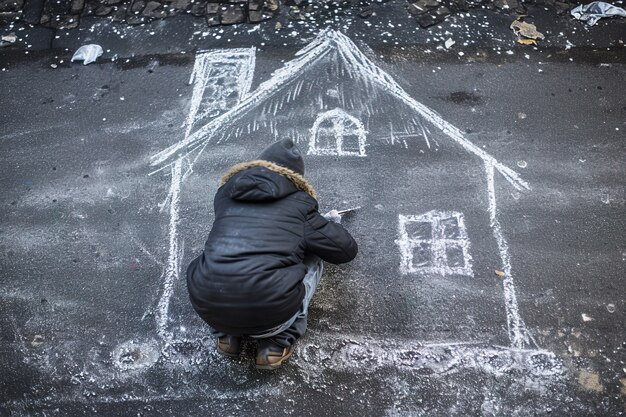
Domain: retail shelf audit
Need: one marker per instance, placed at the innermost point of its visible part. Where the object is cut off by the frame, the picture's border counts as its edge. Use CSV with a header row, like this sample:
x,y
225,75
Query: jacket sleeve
x,y
328,240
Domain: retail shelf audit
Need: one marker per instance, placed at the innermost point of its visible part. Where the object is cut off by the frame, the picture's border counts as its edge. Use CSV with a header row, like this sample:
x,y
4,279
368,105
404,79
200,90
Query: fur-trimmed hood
x,y
298,180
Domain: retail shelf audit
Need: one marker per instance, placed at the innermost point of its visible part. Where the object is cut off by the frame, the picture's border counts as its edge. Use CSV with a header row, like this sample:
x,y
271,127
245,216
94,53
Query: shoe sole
x,y
274,365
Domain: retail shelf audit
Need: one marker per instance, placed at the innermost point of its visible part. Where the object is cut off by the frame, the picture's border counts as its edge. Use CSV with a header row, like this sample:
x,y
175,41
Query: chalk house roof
x,y
358,66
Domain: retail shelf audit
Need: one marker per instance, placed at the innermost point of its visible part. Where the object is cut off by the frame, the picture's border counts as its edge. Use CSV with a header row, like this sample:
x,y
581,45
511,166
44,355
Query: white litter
x,y
87,53
10,38
595,11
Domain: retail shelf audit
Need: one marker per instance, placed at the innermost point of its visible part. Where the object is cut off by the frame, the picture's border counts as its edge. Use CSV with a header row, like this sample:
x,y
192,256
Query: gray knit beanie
x,y
284,153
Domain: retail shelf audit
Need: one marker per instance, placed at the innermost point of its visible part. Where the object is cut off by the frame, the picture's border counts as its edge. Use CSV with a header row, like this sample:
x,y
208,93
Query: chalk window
x,y
335,132
434,243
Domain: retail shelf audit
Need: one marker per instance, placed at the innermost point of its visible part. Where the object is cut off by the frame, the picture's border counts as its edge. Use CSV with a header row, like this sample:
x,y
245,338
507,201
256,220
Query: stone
x,y
168,9
137,6
8,6
137,19
153,9
462,6
414,10
560,6
77,6
57,8
197,9
364,14
255,5
119,12
181,4
422,6
102,10
429,19
212,20
68,22
59,22
256,16
425,5
272,5
212,8
89,8
501,5
294,12
442,11
110,2
32,11
515,5
232,14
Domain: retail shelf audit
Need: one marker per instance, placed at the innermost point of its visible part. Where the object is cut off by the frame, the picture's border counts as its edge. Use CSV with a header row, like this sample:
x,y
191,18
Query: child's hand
x,y
333,216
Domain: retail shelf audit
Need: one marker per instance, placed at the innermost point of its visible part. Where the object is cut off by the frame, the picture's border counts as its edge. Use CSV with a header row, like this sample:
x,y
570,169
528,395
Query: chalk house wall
x,y
419,302
391,180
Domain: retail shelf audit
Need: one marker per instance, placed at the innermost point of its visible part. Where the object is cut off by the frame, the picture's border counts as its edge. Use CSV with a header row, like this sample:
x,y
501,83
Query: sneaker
x,y
270,355
229,346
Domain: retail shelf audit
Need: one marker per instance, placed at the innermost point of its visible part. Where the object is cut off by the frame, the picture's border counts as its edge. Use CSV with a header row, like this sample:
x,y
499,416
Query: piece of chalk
x,y
348,210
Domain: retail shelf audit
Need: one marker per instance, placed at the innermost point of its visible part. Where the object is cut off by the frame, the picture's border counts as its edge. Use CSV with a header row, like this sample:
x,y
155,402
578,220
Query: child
x,y
263,258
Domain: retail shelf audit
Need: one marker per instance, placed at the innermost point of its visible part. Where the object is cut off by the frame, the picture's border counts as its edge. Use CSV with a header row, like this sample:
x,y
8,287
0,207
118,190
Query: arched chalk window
x,y
335,132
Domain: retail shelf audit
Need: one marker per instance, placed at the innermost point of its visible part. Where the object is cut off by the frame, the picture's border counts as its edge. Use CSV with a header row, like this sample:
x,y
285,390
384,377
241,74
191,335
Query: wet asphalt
x,y
84,234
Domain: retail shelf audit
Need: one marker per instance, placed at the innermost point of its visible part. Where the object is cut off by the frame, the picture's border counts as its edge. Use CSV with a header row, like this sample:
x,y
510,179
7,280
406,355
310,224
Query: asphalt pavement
x,y
511,155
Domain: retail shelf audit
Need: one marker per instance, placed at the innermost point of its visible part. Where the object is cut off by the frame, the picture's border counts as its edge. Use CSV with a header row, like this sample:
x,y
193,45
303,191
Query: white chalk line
x,y
214,67
424,133
320,352
144,250
366,354
173,261
199,75
33,131
518,334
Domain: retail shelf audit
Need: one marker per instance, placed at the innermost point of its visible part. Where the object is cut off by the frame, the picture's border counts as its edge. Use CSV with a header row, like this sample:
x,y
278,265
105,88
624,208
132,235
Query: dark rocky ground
x,y
67,14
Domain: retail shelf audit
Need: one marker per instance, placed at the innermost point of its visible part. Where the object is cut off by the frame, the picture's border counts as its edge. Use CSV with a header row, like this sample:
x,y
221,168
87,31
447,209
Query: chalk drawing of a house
x,y
441,234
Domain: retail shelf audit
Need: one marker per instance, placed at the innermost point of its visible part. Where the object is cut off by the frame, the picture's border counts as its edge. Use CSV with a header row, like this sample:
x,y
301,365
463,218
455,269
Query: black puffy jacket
x,y
249,277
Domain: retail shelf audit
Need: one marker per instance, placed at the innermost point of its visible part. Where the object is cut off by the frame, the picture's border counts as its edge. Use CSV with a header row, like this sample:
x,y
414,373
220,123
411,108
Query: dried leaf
x,y
500,273
525,41
527,30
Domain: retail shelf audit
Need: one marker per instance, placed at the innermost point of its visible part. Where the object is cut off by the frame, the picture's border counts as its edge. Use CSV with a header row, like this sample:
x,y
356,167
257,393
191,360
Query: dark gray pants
x,y
293,329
